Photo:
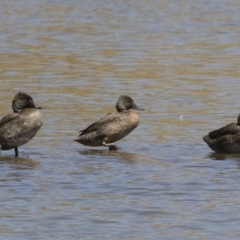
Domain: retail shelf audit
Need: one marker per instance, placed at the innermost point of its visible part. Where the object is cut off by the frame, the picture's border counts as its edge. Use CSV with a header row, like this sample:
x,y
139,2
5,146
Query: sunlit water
x,y
177,59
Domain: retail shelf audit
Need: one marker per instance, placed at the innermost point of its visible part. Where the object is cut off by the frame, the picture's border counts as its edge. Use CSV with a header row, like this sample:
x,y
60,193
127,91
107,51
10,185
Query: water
x,y
177,59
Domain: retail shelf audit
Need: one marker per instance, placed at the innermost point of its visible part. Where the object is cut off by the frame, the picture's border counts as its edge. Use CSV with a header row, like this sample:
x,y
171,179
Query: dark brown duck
x,y
19,127
113,126
225,139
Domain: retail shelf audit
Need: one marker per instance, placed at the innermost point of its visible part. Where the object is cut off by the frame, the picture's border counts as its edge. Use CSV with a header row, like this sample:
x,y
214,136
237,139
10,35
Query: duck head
x,y
125,103
23,100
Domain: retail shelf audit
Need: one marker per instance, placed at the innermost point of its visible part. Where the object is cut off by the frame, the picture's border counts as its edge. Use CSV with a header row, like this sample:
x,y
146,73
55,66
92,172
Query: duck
x,y
112,127
225,139
17,128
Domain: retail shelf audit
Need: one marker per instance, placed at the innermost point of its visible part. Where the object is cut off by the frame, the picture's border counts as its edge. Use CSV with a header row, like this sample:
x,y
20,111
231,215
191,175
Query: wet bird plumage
x,y
225,139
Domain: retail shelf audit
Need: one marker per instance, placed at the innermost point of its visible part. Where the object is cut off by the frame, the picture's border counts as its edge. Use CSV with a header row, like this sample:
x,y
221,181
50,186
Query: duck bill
x,y
37,107
138,108
33,105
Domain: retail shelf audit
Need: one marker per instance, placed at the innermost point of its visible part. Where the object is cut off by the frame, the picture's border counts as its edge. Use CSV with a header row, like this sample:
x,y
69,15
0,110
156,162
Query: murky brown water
x,y
175,58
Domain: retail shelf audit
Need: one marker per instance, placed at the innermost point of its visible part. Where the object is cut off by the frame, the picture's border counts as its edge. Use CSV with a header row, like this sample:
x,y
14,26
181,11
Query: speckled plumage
x,y
113,126
225,139
18,128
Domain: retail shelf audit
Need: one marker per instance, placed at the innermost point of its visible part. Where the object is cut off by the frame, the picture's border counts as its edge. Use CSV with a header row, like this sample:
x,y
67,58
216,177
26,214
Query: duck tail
x,y
206,138
76,139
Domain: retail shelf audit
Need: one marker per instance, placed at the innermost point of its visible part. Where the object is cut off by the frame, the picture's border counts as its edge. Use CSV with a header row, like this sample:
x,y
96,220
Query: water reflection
x,y
120,155
19,162
223,156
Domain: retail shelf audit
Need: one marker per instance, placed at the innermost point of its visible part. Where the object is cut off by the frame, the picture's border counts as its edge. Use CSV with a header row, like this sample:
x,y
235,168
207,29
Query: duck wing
x,y
109,118
8,118
230,129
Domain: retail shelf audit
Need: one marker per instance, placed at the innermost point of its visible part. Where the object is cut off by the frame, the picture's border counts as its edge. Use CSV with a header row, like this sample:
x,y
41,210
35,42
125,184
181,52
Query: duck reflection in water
x,y
19,127
113,126
20,162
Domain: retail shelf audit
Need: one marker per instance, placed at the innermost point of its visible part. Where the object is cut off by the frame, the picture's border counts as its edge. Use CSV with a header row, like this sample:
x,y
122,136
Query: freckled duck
x,y
225,139
113,126
19,127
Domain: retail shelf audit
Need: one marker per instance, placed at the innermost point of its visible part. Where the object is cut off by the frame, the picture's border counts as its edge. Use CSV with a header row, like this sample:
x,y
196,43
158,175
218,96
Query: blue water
x,y
180,61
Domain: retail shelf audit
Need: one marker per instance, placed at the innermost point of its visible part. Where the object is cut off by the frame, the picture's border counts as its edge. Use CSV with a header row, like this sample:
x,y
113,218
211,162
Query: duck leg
x,y
16,151
112,146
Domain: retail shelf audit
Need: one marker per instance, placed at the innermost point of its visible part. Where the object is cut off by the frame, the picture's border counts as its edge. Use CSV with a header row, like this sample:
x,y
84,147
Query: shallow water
x,y
177,59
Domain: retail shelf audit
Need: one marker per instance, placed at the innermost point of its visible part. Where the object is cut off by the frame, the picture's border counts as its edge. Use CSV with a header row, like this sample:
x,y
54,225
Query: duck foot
x,y
113,148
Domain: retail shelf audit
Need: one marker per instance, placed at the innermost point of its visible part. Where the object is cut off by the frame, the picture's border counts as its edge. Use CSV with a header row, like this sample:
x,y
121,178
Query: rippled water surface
x,y
177,59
